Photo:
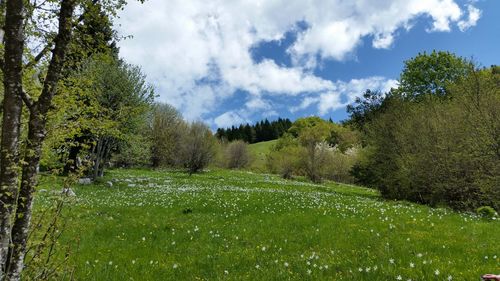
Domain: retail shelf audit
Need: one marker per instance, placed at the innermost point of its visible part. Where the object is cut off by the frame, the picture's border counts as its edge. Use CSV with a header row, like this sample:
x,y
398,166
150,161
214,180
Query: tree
x,y
11,123
430,74
123,97
197,147
312,133
12,254
166,133
237,155
364,109
440,152
261,131
24,19
313,140
93,36
285,157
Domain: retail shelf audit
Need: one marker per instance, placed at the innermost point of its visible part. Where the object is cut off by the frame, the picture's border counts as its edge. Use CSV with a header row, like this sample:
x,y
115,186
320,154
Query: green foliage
x,y
338,165
365,109
300,126
343,138
285,141
166,132
440,152
259,132
136,152
106,99
285,159
315,148
430,74
197,147
487,212
93,35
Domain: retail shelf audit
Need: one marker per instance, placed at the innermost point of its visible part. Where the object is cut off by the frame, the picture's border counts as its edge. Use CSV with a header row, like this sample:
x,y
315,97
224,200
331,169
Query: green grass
x,y
246,226
258,151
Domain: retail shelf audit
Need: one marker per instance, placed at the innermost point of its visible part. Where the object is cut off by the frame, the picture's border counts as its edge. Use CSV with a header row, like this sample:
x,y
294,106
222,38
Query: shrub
x,y
167,127
285,161
338,165
237,155
439,151
197,147
136,152
486,212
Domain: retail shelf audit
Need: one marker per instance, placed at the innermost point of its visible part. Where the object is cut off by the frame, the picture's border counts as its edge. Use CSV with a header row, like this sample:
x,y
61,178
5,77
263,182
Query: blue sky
x,y
242,61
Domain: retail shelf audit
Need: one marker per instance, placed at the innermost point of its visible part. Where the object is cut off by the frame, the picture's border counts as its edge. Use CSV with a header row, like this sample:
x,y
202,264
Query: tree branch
x,y
27,99
38,57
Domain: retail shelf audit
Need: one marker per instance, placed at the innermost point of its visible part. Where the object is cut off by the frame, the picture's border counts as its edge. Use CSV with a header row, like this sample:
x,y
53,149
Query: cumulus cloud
x,y
474,15
198,53
344,93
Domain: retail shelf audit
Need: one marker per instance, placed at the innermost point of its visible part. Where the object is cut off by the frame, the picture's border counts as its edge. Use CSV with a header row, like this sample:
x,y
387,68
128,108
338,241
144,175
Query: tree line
x,y
263,130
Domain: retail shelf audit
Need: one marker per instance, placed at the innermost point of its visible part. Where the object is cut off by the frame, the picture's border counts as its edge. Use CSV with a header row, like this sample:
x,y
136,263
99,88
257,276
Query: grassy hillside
x,y
259,151
231,225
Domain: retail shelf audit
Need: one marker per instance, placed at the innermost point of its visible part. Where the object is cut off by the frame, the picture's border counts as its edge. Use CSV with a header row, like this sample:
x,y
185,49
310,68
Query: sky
x,y
227,62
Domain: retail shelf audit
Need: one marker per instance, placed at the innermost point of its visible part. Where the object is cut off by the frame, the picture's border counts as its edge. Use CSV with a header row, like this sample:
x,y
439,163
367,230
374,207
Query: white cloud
x,y
329,101
257,103
344,93
383,40
306,102
183,44
474,15
269,77
229,118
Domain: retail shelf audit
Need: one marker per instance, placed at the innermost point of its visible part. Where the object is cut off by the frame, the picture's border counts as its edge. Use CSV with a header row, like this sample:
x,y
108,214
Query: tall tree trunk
x,y
36,135
71,164
97,157
12,106
106,155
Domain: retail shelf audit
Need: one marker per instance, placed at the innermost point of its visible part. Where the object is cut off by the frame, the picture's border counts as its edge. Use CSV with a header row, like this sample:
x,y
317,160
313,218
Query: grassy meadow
x,y
234,225
258,152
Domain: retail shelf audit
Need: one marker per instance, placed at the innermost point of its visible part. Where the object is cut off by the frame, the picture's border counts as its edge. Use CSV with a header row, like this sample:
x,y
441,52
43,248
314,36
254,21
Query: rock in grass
x,y
85,181
69,192
109,184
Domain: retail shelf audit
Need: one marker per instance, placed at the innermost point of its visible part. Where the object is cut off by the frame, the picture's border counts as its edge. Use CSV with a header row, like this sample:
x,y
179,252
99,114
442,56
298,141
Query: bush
x,y
237,155
167,128
338,165
486,212
436,151
197,147
285,161
311,154
136,152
